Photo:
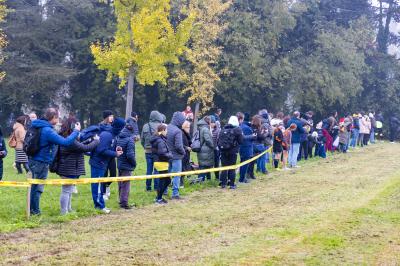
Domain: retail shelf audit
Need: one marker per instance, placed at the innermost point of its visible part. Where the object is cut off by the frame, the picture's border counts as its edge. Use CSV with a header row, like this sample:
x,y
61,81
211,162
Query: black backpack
x,y
227,139
32,141
87,134
55,164
196,143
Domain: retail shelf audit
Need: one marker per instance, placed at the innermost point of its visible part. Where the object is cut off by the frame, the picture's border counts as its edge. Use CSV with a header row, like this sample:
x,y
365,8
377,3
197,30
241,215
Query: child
x,y
3,153
162,156
287,139
277,146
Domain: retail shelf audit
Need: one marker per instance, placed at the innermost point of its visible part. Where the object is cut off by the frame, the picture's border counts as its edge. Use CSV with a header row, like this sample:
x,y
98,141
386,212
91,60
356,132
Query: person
x,y
261,134
267,132
32,116
205,156
367,123
187,142
40,161
3,152
394,127
217,115
364,129
133,121
100,159
343,134
246,148
277,147
295,145
278,119
320,148
175,145
19,132
188,113
216,129
230,139
105,125
71,162
126,162
373,128
287,139
161,156
355,131
156,119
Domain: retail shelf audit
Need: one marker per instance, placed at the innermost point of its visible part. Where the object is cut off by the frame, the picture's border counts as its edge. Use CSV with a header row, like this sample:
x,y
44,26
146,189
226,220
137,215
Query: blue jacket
x,y
3,148
174,136
296,135
105,151
48,139
246,148
127,161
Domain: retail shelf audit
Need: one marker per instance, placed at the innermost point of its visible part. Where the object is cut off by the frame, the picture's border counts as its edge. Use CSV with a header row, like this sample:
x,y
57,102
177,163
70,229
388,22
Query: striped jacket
x,y
72,161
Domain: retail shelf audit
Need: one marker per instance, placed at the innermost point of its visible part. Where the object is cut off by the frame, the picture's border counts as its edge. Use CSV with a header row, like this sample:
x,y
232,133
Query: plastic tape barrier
x,y
125,178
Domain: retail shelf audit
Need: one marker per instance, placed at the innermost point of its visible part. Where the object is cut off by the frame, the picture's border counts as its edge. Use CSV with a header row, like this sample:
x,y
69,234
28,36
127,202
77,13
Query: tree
x,y
3,40
145,41
199,74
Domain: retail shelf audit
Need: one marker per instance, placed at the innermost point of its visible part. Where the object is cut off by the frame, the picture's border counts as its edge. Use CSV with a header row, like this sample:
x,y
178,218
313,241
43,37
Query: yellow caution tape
x,y
124,178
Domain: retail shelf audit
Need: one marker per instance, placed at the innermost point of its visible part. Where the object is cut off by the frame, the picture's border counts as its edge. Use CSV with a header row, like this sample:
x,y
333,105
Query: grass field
x,y
13,200
341,211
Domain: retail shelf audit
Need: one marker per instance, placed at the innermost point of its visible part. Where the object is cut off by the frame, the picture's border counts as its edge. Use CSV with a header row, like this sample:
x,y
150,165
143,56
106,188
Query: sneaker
x,y
278,169
106,210
161,202
127,207
176,198
245,181
297,166
108,192
223,186
105,198
233,187
182,186
287,169
75,191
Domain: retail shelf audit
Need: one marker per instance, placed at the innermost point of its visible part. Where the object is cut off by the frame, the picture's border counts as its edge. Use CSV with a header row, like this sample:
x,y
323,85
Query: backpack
x,y
12,141
55,164
227,139
87,134
196,143
32,141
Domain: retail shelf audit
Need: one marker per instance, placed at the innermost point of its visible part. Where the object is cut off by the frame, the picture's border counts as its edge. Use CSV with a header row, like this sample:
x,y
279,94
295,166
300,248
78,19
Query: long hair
x,y
67,126
256,122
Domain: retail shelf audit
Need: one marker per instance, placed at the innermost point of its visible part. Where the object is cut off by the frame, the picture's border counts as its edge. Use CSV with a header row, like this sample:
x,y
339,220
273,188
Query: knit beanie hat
x,y
118,125
246,117
107,113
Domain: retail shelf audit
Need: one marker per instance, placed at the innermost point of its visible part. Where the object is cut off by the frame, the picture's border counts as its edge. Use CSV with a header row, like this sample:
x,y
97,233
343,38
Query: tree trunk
x,y
196,114
129,93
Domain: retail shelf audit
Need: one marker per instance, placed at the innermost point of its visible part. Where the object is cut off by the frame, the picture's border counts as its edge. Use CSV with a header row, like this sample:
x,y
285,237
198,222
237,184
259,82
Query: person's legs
x,y
372,136
354,137
65,198
244,168
1,169
124,188
149,171
217,162
97,196
285,159
202,177
224,174
163,184
39,171
277,158
232,173
295,153
19,168
175,167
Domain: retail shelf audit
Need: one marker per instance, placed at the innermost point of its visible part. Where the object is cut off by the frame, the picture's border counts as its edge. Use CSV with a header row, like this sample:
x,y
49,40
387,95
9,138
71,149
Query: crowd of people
x,y
172,148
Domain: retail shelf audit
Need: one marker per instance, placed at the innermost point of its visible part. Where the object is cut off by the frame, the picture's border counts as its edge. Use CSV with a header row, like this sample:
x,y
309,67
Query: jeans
x,y
354,137
175,166
97,195
372,137
262,161
244,168
124,188
217,160
293,153
320,150
150,171
227,160
303,151
40,170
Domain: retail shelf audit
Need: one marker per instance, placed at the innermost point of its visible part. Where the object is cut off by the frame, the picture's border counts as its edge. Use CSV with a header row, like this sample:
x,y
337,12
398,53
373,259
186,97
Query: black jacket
x,y
125,140
186,159
160,149
237,131
71,159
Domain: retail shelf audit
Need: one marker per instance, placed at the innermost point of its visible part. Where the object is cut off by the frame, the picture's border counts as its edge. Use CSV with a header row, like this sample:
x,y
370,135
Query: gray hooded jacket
x,y
156,118
174,136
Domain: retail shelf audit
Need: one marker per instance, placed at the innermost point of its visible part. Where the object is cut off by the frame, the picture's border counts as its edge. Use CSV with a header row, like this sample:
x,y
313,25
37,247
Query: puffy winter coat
x,y
149,129
365,125
174,136
105,151
246,148
125,140
206,154
296,135
48,141
72,161
160,149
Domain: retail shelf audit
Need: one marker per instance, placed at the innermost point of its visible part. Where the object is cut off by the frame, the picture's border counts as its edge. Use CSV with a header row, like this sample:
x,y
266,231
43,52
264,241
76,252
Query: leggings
x,y
19,165
163,185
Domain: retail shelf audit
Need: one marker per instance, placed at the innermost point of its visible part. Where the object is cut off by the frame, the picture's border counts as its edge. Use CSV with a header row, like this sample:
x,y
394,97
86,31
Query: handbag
x,y
12,141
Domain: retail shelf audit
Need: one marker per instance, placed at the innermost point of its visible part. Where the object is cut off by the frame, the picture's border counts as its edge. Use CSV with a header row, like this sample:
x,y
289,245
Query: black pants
x,y
393,134
19,167
217,156
366,139
227,160
1,169
110,172
303,150
162,185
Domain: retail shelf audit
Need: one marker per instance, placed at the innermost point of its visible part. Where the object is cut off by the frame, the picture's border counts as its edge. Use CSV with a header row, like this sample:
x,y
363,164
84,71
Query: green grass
x,y
13,200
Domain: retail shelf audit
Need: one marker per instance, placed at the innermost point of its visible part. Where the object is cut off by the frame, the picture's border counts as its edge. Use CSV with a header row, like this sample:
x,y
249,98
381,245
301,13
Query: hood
x,y
233,120
105,127
178,119
118,125
17,125
154,139
40,123
202,123
156,116
126,133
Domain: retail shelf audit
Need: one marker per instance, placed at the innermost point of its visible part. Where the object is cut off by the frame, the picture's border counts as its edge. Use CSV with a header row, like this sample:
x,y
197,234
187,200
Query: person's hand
x,y
96,137
119,153
78,126
136,138
189,149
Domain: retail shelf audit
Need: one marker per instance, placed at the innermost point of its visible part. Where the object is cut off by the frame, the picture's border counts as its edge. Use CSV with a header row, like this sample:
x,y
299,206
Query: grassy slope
x,y
344,210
